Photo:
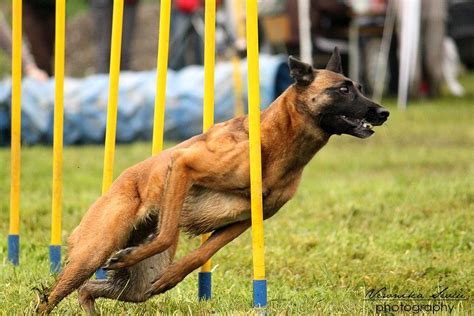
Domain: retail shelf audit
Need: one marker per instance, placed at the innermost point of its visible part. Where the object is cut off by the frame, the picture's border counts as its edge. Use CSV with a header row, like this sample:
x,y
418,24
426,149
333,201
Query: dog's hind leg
x,y
80,267
128,285
101,232
178,182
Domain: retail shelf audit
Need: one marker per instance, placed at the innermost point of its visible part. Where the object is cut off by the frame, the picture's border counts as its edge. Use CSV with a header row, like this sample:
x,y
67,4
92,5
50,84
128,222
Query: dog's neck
x,y
297,137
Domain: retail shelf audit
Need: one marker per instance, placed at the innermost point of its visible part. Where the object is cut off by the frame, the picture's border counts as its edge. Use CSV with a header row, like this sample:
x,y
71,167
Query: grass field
x,y
393,211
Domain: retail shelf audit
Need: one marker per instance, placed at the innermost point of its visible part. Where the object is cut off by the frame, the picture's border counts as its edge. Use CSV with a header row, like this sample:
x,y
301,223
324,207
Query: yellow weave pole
x,y
236,61
14,230
238,86
259,282
239,22
55,247
205,276
112,105
161,71
114,73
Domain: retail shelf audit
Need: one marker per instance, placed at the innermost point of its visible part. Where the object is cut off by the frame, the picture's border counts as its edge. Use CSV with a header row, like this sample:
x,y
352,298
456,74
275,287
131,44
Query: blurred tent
x,y
86,103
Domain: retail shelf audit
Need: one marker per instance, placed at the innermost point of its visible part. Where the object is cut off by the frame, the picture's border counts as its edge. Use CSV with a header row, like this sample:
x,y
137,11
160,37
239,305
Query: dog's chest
x,y
205,210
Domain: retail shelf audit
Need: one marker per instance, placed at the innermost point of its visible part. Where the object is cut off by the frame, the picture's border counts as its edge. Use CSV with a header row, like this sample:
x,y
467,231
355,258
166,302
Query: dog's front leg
x,y
178,182
178,271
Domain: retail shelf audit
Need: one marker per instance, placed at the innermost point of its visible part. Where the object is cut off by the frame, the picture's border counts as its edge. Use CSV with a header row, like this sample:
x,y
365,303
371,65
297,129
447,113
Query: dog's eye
x,y
344,89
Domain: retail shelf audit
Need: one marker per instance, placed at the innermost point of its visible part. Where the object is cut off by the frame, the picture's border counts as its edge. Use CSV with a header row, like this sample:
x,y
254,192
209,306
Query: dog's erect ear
x,y
334,63
303,73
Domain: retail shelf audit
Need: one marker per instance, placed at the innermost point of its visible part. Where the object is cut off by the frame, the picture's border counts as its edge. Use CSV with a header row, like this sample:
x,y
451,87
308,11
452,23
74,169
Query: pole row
x,y
55,247
205,275
259,283
14,230
253,82
111,128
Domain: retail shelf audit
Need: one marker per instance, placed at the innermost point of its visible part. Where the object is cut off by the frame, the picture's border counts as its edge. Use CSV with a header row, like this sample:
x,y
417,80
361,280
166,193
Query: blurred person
x,y
433,33
29,66
186,34
428,70
38,25
102,17
330,19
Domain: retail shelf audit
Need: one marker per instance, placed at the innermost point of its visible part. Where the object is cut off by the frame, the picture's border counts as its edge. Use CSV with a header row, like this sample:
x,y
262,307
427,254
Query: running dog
x,y
202,185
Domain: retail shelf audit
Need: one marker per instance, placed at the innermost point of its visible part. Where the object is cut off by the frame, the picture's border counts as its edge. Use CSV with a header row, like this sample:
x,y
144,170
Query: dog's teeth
x,y
367,125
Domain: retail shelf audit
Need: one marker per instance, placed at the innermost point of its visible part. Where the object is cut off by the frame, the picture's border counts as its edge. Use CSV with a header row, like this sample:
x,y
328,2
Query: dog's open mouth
x,y
344,124
359,127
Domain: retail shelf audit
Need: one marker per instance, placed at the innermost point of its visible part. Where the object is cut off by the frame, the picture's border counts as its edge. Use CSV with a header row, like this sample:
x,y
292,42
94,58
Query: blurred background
x,y
407,49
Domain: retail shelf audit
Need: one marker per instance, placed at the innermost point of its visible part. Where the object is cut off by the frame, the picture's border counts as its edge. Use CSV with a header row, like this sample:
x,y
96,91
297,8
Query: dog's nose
x,y
383,113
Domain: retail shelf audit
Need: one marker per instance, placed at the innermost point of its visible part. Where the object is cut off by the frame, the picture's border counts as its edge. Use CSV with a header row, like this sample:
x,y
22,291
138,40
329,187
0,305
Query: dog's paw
x,y
120,260
43,309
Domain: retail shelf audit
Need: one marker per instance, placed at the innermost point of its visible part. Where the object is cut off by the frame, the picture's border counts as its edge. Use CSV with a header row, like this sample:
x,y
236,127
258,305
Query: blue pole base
x,y
55,258
14,249
259,293
100,274
204,286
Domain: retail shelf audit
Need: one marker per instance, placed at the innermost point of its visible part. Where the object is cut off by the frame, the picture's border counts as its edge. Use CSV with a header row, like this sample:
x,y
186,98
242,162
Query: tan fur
x,y
200,185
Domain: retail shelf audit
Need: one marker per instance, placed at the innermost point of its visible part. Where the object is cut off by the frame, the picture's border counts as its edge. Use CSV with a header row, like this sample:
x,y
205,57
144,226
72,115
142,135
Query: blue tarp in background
x,y
85,103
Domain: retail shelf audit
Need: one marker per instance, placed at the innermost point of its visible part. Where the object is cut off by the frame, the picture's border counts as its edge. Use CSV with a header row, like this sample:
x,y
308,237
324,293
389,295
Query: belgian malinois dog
x,y
202,185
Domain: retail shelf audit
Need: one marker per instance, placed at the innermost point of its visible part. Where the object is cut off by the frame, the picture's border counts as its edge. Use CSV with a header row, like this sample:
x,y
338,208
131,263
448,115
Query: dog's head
x,y
335,103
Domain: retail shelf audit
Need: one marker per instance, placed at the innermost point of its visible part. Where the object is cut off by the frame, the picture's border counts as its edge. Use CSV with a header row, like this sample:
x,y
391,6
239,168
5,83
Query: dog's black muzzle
x,y
377,115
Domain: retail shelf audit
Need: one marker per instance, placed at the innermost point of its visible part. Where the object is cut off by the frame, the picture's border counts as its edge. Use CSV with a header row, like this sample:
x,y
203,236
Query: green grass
x,y
394,211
